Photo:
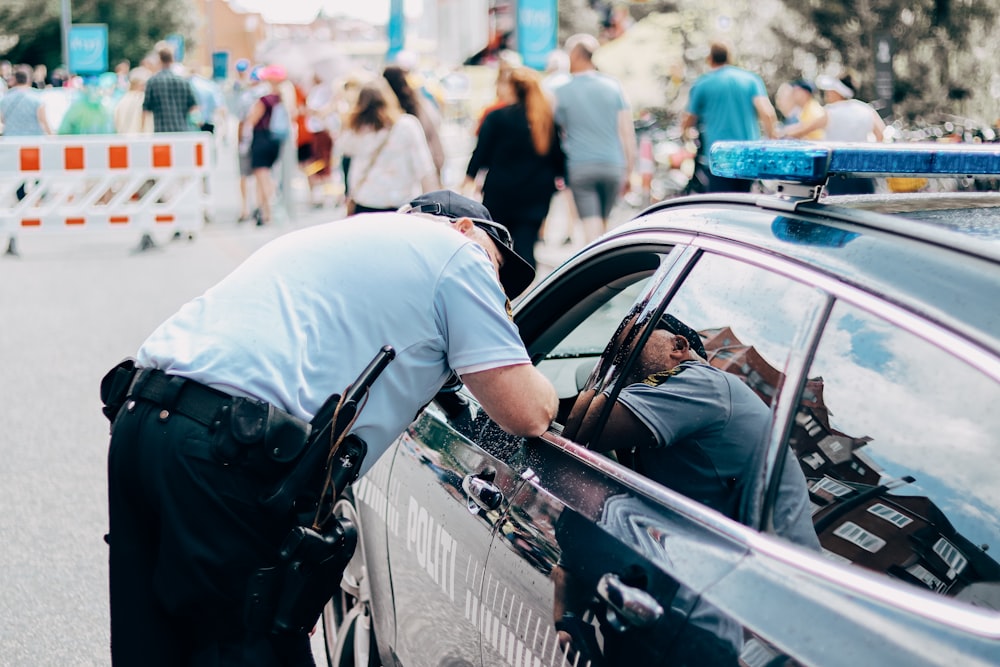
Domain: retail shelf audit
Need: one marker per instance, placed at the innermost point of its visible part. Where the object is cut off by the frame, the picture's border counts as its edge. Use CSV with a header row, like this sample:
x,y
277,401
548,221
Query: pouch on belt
x,y
267,434
114,387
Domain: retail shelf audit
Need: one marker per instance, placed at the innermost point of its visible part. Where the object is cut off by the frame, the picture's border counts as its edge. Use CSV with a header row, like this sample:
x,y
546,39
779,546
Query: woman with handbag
x,y
390,160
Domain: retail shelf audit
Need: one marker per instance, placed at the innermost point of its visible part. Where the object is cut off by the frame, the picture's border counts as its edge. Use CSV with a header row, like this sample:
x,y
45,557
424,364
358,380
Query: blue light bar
x,y
797,161
812,162
916,159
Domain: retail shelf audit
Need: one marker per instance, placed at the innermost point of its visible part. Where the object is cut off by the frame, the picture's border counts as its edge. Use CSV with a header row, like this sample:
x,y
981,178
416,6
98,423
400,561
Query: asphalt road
x,y
72,308
74,304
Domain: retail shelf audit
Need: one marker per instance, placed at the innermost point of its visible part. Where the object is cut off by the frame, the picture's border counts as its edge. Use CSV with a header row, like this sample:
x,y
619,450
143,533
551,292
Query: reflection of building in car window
x,y
727,352
854,512
873,514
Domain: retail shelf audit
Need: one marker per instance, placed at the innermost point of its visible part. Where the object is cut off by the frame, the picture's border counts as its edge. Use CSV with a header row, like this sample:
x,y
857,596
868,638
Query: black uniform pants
x,y
186,534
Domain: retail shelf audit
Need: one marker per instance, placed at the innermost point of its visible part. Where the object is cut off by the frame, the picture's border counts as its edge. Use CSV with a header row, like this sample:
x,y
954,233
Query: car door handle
x,y
628,606
482,492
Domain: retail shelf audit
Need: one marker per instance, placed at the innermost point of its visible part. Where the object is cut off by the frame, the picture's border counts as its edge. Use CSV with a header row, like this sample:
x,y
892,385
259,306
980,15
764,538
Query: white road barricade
x,y
143,183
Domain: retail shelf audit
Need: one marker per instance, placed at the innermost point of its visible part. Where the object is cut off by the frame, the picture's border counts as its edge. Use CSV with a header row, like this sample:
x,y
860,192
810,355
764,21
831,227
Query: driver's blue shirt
x,y
710,429
303,316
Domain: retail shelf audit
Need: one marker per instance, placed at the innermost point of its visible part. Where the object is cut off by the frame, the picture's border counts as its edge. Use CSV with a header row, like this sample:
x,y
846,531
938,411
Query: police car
x,y
869,327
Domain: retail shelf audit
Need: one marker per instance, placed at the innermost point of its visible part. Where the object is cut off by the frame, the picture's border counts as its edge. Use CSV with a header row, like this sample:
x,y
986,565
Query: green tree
x,y
31,30
936,68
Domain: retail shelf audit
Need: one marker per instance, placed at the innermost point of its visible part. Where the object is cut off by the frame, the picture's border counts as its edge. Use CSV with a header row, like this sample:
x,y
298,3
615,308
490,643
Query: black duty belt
x,y
187,397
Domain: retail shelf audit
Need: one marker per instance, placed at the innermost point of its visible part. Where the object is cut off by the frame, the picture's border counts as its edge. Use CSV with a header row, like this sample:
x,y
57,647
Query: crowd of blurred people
x,y
271,113
559,140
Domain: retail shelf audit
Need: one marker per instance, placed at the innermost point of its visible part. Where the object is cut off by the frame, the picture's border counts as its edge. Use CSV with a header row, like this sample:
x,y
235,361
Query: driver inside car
x,y
696,429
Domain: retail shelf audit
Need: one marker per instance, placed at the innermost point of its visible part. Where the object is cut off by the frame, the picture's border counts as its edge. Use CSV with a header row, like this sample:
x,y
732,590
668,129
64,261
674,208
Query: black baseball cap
x,y
515,274
678,328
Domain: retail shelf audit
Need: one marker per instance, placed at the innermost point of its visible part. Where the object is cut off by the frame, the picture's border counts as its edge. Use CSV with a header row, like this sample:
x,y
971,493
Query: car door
x,y
588,305
605,565
437,557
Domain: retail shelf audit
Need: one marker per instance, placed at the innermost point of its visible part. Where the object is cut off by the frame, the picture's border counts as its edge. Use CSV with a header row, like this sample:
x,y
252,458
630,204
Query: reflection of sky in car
x,y
923,416
762,309
867,347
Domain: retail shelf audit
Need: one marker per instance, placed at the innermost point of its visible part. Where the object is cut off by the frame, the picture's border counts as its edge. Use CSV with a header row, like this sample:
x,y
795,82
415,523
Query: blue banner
x,y
537,26
220,65
396,30
88,48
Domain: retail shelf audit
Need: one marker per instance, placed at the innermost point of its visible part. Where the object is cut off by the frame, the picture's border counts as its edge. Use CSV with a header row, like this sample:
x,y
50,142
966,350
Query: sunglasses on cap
x,y
499,233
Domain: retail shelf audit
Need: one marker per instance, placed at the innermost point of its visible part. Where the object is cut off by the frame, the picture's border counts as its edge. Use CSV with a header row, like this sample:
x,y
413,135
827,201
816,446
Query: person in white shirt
x,y
848,119
390,160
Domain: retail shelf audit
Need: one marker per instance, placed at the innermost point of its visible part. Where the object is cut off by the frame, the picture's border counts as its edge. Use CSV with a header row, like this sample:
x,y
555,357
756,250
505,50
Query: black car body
x,y
869,326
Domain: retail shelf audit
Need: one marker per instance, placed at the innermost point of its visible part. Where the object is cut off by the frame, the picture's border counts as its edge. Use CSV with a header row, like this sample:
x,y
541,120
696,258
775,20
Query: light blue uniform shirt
x,y
587,109
303,316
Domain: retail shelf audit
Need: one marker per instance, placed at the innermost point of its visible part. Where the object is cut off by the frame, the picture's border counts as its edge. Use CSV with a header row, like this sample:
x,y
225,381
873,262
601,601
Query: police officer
x,y
295,323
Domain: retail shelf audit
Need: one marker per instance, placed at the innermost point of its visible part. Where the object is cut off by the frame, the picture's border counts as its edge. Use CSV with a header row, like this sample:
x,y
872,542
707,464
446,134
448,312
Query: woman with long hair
x,y
390,160
519,149
415,104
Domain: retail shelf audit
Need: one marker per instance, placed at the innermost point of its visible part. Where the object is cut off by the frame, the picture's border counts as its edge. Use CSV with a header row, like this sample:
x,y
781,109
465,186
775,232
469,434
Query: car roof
x,y
889,246
973,213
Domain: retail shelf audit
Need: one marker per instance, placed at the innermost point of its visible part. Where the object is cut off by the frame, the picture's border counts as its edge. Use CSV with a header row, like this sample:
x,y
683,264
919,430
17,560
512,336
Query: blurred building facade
x,y
444,33
223,27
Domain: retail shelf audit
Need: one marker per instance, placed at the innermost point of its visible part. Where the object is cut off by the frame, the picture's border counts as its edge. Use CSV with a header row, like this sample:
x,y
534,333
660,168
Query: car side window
x,y
567,329
697,419
571,361
897,438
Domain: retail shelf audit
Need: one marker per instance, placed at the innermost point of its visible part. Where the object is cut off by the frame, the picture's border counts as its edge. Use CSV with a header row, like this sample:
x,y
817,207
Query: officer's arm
x,y
622,428
519,399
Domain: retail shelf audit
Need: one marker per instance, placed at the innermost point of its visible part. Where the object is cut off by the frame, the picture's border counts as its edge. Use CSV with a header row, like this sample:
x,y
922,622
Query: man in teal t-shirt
x,y
726,104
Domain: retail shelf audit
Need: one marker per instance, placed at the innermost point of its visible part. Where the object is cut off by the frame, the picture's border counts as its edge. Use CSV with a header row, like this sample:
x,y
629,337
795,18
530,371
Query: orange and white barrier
x,y
138,182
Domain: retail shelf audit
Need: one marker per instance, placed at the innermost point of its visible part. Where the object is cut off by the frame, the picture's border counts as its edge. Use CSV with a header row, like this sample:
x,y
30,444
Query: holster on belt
x,y
114,387
291,596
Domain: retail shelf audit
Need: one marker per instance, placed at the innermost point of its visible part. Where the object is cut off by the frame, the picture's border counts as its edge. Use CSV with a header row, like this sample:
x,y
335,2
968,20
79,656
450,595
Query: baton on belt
x,y
331,453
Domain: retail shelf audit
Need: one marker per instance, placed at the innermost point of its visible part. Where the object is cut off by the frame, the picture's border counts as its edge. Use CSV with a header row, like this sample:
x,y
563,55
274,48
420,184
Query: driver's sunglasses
x,y
499,233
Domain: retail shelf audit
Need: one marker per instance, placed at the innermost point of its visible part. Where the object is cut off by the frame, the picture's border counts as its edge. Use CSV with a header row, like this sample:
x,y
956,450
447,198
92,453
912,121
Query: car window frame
x,y
671,246
657,300
535,308
663,285
850,580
